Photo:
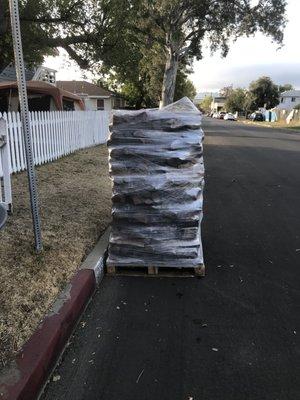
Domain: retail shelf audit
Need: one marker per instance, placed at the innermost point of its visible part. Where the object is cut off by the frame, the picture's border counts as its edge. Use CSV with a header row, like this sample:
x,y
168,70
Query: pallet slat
x,y
157,271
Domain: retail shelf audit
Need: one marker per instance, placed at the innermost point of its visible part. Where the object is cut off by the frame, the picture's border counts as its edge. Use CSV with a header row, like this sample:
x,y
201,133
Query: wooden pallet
x,y
157,271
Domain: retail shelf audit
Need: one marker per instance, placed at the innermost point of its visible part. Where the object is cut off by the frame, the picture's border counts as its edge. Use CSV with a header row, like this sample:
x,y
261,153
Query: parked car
x,y
215,115
222,114
229,117
257,116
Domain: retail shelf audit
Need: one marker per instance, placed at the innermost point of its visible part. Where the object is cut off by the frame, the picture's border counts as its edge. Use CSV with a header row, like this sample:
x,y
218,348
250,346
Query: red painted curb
x,y
38,356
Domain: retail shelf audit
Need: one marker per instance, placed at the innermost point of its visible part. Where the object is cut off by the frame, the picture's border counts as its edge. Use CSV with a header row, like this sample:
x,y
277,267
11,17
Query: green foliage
x,y
250,104
136,39
183,23
142,81
264,93
86,29
180,27
206,103
236,100
285,87
226,91
184,87
132,95
297,107
34,50
138,73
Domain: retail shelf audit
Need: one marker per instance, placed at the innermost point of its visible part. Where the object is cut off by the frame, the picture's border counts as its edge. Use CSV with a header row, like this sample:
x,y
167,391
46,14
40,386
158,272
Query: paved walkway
x,y
230,336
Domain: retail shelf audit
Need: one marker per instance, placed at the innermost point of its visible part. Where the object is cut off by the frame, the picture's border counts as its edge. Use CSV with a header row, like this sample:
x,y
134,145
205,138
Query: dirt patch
x,y
74,195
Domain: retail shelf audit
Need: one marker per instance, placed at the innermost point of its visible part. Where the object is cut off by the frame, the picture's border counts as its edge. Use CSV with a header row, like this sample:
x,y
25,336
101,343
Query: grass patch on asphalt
x,y
296,127
279,124
75,200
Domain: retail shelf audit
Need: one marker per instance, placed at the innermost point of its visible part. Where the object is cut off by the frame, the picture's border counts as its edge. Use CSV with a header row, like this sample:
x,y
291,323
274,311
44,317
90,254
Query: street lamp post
x,y
20,70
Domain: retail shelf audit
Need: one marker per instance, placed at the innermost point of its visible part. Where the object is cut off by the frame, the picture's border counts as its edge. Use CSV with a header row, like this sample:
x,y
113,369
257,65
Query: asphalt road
x,y
233,335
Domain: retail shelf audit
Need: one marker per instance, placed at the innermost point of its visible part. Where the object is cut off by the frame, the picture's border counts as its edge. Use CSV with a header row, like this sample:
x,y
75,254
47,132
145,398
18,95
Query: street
x,y
229,336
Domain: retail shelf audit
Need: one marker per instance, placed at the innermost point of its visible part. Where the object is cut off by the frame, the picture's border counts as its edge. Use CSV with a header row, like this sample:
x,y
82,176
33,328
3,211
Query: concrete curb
x,y
24,379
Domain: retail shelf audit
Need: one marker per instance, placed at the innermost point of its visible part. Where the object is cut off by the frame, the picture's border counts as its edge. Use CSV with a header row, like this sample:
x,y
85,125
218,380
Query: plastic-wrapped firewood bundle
x,y
156,167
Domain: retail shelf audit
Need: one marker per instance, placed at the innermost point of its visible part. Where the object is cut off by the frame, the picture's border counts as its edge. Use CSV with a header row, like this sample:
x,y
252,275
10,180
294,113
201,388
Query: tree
x,y
226,91
236,100
184,86
86,29
93,32
264,93
181,25
285,87
138,72
145,91
205,104
249,103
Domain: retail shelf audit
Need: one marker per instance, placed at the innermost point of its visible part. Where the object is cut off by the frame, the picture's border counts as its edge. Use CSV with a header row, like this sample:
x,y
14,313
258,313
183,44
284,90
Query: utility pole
x,y
20,70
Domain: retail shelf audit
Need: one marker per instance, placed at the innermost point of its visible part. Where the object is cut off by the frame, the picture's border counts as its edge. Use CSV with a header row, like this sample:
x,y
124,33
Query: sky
x,y
248,59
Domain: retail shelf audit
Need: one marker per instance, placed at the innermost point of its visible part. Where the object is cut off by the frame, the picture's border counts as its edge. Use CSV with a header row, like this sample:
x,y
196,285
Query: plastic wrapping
x,y
156,166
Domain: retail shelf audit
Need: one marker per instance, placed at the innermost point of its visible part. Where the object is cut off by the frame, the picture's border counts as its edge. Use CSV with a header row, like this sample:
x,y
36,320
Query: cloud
x,y
251,57
243,75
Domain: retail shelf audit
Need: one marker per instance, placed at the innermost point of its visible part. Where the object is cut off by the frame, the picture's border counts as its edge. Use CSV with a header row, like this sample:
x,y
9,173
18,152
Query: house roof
x,y
9,74
84,87
290,93
202,95
219,99
45,88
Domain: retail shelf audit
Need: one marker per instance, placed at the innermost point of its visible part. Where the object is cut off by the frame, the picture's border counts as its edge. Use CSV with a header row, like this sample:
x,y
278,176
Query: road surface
x,y
230,336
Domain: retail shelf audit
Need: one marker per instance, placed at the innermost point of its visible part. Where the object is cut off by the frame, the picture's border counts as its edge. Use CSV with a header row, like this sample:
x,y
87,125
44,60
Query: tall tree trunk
x,y
169,82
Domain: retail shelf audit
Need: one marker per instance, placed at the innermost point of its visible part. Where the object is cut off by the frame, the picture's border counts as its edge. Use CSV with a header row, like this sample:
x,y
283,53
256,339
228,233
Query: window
x,y
68,105
293,99
39,103
281,101
4,103
100,104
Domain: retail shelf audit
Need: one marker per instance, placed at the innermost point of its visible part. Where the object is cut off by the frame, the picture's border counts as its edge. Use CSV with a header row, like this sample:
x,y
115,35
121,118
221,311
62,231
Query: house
x,y
47,94
43,95
218,103
40,73
289,100
201,96
94,97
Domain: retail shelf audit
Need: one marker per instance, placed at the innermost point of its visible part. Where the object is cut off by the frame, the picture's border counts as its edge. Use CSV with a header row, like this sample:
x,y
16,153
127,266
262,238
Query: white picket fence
x,y
54,134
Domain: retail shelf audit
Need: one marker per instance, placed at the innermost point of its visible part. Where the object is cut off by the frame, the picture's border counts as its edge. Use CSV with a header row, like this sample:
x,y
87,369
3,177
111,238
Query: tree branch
x,y
68,40
82,62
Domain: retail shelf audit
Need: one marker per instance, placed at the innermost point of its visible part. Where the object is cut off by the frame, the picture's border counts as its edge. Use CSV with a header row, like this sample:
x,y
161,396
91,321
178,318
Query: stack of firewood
x,y
156,166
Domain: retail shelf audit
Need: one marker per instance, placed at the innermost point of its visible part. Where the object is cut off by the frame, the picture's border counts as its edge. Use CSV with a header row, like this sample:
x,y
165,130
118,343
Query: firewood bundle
x,y
156,165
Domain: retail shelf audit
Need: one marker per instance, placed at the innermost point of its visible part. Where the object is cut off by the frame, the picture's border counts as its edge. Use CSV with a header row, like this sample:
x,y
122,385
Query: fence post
x,y
5,167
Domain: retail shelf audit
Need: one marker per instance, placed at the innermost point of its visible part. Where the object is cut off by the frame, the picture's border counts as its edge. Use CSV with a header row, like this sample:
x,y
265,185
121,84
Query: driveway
x,y
230,336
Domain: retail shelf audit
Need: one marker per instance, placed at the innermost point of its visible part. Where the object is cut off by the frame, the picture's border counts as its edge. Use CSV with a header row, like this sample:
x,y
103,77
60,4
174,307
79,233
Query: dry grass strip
x,y
74,195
